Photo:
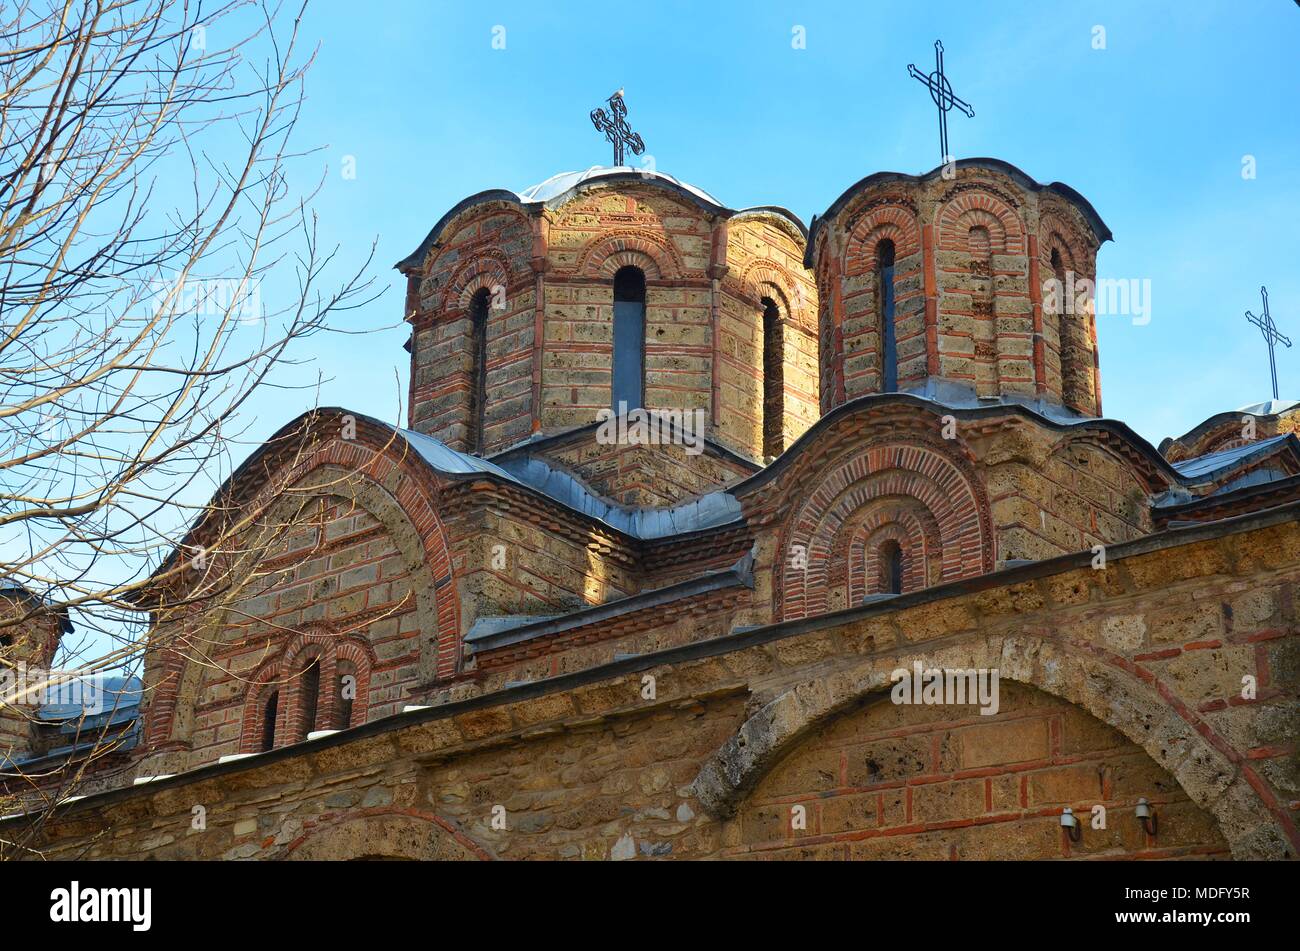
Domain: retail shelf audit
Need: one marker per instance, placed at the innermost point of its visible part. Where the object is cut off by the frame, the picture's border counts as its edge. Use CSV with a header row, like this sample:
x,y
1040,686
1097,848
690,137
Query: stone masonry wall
x,y
968,285
1155,647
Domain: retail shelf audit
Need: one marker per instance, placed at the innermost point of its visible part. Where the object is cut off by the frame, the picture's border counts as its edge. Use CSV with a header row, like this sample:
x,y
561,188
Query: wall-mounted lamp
x,y
1147,817
1071,824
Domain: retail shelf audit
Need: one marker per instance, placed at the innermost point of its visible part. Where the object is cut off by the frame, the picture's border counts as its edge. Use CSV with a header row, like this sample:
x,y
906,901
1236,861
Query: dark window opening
x,y
885,316
1062,316
478,319
310,687
891,568
269,713
773,380
347,686
628,391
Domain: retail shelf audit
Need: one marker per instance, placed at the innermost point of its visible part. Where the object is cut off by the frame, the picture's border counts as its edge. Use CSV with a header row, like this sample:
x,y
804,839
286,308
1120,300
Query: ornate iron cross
x,y
1271,335
614,125
942,94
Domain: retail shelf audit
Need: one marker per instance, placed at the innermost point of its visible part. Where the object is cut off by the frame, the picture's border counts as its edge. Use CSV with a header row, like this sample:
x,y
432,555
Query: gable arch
x,y
380,479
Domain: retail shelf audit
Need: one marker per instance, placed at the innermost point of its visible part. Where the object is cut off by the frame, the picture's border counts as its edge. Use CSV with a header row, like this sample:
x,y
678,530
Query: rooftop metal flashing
x,y
1218,465
1267,408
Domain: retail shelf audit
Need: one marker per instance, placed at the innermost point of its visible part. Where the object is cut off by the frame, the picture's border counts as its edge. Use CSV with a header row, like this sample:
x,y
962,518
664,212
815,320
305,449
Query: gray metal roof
x,y
707,511
565,182
1214,463
1269,407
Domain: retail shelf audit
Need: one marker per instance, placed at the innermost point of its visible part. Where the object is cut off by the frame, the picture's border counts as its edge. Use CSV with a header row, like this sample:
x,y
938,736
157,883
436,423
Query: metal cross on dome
x,y
614,125
942,94
1271,335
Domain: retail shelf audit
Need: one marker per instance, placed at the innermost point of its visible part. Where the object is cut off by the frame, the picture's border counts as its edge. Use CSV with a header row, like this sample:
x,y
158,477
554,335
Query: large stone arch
x,y
391,834
1107,686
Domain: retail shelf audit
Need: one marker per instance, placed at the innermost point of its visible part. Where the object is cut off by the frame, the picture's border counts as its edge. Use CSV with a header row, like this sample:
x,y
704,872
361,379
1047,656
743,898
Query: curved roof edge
x,y
710,510
939,407
1099,227
776,210
559,188
1266,410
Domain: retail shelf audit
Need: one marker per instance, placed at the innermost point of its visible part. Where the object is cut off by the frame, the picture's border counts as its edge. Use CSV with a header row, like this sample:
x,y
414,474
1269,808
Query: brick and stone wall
x,y
969,278
486,248
27,647
1117,684
550,330
886,781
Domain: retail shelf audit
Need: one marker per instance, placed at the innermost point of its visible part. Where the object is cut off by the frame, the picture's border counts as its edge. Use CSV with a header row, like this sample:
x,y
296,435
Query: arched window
x,y
885,316
773,380
270,710
310,692
478,319
984,330
1062,320
629,340
891,567
345,694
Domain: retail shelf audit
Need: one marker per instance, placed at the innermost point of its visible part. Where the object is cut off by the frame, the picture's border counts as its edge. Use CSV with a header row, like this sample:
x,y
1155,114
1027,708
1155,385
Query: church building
x,y
699,516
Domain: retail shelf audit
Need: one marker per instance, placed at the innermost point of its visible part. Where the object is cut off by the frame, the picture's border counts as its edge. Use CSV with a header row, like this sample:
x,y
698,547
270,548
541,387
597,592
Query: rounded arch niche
x,y
940,509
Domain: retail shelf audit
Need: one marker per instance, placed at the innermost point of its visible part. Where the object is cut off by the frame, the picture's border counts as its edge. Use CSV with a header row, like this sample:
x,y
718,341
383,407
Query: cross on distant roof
x,y
1271,335
614,125
942,94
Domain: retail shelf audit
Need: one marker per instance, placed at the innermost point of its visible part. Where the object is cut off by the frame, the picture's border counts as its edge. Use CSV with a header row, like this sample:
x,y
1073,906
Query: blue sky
x,y
1153,130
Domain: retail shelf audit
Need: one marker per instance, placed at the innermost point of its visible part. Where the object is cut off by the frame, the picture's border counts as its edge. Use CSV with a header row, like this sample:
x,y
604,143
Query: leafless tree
x,y
156,269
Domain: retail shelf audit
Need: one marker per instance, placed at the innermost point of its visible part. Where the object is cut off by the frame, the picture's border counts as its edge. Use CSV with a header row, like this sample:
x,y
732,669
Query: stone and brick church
x,y
522,630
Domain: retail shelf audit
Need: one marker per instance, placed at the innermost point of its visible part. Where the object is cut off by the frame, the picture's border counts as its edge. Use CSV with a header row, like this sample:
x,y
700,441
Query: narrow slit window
x,y
347,693
773,380
885,316
270,710
476,422
891,568
629,340
1062,320
310,687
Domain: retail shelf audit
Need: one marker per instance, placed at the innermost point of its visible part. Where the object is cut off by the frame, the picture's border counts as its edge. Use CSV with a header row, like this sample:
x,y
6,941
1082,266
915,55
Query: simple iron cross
x,y
1271,335
614,125
942,94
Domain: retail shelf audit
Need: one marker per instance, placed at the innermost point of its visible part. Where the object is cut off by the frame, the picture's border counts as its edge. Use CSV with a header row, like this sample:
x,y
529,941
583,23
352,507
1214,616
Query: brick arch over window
x,y
326,648
610,251
486,270
1076,354
1055,232
763,279
385,479
892,222
969,208
900,519
266,681
945,488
